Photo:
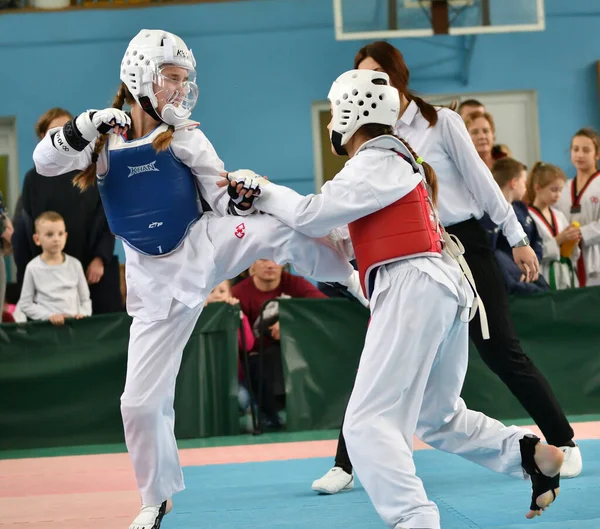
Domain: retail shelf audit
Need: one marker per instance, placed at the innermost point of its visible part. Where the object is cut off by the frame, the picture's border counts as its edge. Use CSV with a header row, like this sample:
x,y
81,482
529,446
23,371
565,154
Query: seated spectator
x,y
268,282
10,314
222,293
511,176
560,239
90,239
54,286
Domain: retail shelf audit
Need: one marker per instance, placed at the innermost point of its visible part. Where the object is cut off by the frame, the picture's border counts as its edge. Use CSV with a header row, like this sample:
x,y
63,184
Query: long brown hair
x,y
41,127
392,62
87,177
542,174
373,130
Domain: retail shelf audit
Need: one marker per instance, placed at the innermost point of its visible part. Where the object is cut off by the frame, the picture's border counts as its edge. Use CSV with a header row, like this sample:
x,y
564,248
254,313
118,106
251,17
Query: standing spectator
x,y
54,287
511,177
482,130
268,281
6,232
468,106
90,239
560,239
580,202
473,105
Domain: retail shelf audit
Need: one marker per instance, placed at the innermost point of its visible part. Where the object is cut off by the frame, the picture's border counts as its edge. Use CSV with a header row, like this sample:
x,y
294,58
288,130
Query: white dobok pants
x,y
409,380
216,248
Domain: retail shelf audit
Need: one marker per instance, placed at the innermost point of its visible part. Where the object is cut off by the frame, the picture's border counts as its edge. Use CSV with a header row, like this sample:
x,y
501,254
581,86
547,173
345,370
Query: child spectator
x,y
222,293
6,231
580,202
560,239
511,177
54,286
90,239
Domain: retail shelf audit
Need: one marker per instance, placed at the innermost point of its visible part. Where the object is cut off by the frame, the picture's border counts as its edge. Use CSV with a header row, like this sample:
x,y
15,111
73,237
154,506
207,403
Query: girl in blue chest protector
x,y
153,188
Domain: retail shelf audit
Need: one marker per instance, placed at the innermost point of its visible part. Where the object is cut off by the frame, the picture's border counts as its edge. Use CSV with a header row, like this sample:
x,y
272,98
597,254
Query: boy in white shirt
x,y
54,286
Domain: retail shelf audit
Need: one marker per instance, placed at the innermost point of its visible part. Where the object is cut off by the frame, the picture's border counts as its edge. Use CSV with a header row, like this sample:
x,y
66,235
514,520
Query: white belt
x,y
456,250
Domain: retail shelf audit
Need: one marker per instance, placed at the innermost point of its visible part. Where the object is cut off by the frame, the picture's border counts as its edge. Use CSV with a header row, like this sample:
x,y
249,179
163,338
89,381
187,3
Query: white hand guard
x,y
76,135
240,204
95,122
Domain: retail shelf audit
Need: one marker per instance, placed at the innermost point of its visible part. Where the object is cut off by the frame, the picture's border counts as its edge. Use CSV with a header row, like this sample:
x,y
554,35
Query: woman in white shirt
x,y
467,190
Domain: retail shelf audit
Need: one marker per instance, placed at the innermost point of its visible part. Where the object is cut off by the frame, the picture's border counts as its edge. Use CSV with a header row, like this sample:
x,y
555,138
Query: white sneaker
x,y
336,480
151,516
572,464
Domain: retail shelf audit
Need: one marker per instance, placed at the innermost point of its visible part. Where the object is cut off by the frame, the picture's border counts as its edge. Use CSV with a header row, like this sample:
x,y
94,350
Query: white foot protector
x,y
151,516
573,463
336,480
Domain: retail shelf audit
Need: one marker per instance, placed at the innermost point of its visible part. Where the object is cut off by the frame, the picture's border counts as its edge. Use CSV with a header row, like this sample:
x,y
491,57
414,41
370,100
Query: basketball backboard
x,y
388,19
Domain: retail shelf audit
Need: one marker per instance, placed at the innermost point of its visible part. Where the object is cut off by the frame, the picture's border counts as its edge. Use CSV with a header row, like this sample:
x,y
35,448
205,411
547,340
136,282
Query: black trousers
x,y
502,353
265,386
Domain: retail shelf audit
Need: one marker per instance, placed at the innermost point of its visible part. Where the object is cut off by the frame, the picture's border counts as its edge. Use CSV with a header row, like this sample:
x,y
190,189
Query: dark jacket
x,y
503,251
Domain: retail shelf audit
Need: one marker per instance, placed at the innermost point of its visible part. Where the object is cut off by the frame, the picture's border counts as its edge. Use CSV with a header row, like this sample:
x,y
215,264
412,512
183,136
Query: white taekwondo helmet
x,y
148,52
360,97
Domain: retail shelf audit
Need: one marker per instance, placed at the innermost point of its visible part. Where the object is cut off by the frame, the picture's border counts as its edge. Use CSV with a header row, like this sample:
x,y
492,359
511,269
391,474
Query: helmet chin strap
x,y
336,141
146,105
169,117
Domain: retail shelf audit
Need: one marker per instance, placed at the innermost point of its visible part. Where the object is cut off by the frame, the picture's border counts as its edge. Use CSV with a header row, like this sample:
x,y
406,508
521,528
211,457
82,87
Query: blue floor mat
x,y
277,494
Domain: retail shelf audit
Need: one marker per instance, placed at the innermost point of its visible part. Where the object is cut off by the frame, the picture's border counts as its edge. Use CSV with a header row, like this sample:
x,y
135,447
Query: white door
x,y
8,149
516,118
9,176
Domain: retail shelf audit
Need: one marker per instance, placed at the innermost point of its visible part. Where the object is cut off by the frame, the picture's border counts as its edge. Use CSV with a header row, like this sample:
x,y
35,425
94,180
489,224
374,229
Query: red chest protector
x,y
407,228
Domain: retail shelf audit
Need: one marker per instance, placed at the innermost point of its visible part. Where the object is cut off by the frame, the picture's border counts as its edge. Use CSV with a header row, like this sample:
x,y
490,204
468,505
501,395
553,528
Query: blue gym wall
x,y
262,63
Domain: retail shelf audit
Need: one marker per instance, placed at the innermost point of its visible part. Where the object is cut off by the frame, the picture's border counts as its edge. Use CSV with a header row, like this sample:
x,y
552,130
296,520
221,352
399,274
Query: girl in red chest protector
x,y
466,192
414,361
580,202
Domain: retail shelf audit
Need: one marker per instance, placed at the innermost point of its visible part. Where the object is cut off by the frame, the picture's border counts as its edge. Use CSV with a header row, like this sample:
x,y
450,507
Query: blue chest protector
x,y
150,199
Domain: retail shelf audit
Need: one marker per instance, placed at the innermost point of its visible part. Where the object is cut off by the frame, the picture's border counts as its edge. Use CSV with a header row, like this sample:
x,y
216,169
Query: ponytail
x,y
530,185
428,111
542,174
430,176
164,139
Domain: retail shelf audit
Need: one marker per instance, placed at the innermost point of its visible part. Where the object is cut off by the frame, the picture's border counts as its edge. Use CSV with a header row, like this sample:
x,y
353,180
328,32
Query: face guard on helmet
x,y
360,97
147,71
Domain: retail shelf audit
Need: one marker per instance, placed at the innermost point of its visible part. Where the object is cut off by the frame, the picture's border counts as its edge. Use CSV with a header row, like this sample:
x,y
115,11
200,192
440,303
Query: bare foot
x,y
549,459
